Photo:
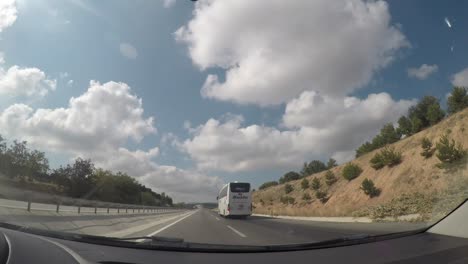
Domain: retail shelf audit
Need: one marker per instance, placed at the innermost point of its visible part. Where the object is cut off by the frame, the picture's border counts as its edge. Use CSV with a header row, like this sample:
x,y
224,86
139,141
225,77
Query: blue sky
x,y
228,134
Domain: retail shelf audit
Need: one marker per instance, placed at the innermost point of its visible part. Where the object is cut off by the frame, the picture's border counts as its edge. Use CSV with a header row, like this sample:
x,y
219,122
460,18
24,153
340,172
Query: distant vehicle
x,y
235,199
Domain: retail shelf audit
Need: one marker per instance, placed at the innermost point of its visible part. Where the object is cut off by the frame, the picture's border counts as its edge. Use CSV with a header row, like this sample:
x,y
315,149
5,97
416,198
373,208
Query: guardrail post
x,y
95,210
107,209
29,206
133,210
118,210
79,209
126,210
58,208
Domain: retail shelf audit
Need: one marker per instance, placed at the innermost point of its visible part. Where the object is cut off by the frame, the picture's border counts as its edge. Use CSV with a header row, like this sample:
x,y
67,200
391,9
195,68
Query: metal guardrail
x,y
122,209
81,206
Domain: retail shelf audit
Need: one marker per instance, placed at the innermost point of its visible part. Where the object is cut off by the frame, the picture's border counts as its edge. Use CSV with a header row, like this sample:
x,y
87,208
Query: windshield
x,y
232,122
239,187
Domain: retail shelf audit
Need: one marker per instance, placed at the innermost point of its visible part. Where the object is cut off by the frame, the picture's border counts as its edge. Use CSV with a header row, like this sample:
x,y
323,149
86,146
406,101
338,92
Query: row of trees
x,y
315,166
427,112
81,179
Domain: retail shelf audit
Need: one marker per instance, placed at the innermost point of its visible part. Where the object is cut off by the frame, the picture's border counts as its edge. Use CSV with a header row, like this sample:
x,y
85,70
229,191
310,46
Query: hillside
x,y
416,185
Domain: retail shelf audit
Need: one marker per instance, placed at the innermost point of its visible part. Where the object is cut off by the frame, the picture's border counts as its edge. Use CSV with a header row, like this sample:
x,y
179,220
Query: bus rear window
x,y
240,187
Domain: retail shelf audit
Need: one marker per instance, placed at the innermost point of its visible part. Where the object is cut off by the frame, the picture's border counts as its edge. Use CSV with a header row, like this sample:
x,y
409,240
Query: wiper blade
x,y
157,239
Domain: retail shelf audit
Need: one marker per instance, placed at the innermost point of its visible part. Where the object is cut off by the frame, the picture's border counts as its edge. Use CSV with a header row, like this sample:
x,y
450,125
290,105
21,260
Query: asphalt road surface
x,y
206,226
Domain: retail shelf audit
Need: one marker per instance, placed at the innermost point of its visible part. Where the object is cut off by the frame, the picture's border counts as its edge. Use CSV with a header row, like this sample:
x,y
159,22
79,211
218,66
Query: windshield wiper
x,y
154,239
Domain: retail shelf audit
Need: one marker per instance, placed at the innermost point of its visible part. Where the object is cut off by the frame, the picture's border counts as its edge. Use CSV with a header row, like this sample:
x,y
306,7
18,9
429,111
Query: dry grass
x,y
414,175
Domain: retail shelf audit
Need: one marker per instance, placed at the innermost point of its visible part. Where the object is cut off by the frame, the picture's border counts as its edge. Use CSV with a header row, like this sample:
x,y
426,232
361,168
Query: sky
x,y
186,96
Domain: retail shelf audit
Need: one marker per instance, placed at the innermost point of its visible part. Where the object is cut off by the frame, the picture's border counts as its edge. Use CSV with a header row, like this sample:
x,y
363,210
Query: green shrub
x,y
316,184
428,150
306,197
330,178
287,200
290,176
304,184
377,162
351,171
322,196
448,151
391,157
369,188
288,188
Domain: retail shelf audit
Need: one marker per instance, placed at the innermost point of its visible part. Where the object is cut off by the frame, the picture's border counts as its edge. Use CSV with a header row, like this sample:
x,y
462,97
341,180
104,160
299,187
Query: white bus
x,y
235,199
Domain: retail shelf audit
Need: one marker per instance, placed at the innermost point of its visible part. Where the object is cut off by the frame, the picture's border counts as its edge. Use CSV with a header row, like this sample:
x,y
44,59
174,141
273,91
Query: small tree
x,y
404,126
306,197
288,188
428,150
316,184
304,184
377,162
448,151
290,176
330,178
435,114
322,196
391,157
351,171
458,100
368,187
331,163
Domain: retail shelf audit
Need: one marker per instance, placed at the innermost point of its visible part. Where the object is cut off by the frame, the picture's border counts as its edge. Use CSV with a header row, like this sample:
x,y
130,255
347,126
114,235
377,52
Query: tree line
x,y
427,112
315,166
80,179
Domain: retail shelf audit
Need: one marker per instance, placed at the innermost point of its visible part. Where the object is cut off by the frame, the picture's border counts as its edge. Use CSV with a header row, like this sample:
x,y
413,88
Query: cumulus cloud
x,y
272,52
128,51
106,115
97,125
8,13
423,71
460,78
319,127
17,81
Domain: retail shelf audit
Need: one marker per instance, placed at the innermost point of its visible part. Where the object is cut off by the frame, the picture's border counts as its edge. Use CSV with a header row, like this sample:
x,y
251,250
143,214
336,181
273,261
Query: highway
x,y
200,226
205,226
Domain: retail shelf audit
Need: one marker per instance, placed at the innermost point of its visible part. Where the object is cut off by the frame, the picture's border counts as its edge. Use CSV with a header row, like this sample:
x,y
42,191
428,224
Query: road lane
x,y
205,226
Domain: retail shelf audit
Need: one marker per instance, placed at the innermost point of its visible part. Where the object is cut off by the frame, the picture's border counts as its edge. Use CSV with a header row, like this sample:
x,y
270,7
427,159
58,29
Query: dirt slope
x,y
414,178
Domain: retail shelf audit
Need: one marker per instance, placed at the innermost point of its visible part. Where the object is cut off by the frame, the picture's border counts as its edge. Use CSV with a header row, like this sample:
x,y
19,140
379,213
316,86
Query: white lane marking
x,y
217,218
9,248
173,223
138,228
72,253
236,231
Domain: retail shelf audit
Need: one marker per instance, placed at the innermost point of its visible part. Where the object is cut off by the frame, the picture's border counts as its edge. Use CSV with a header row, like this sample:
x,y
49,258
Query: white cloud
x,y
423,71
325,127
97,125
2,58
128,51
169,3
272,52
8,13
70,83
460,78
18,81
